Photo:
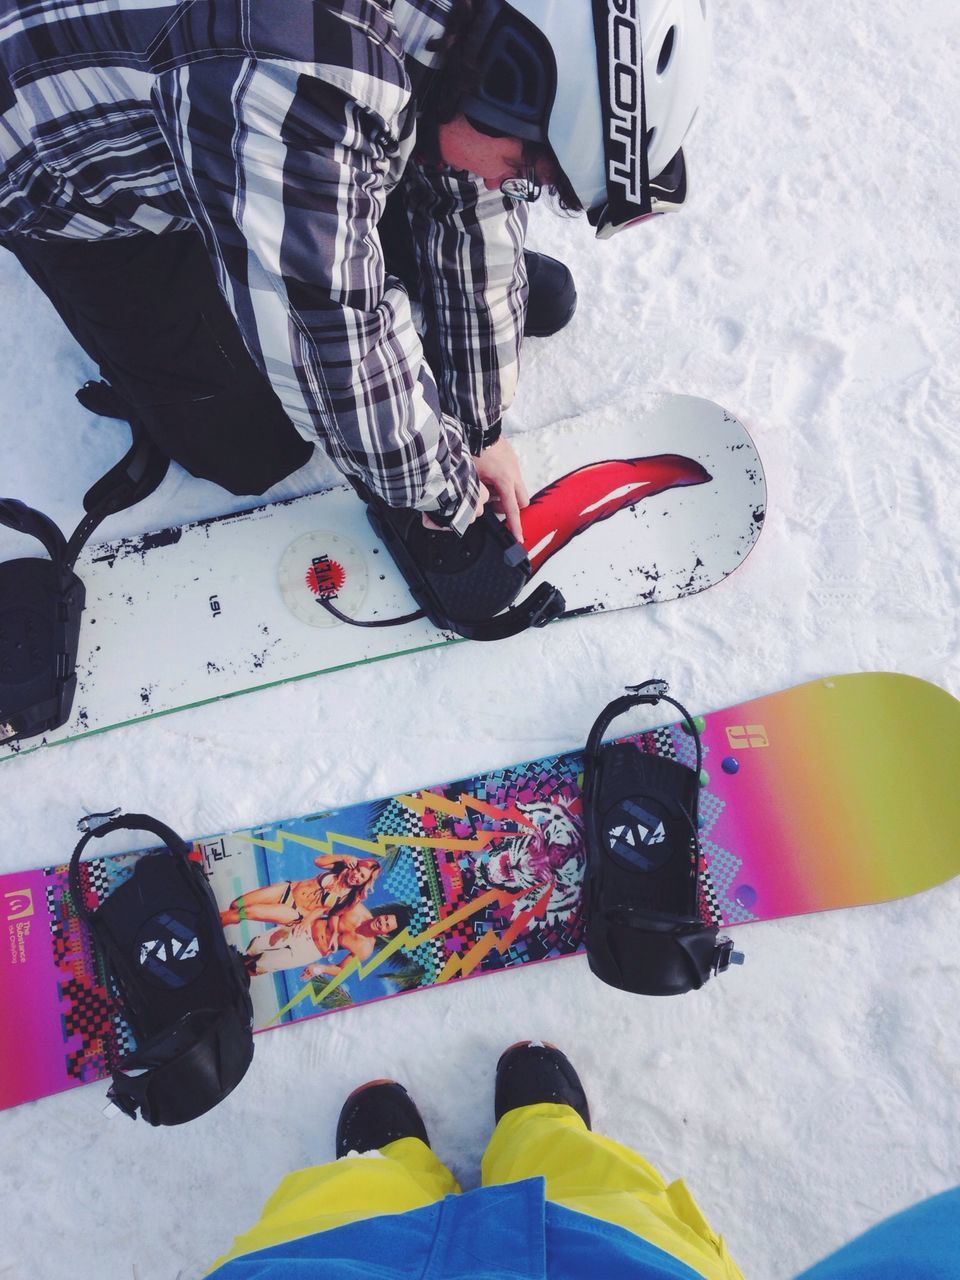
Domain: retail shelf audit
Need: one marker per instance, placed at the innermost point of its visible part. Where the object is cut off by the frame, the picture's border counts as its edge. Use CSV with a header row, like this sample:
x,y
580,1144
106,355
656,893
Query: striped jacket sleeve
x,y
284,167
469,244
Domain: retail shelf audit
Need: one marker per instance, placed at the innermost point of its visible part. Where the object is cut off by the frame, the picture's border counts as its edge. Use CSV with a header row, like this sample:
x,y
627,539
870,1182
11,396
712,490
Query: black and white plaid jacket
x,y
278,127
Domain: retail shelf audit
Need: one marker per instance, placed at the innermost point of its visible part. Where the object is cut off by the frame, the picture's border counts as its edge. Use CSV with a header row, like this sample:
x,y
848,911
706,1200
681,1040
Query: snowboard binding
x,y
41,600
40,606
643,928
181,987
463,584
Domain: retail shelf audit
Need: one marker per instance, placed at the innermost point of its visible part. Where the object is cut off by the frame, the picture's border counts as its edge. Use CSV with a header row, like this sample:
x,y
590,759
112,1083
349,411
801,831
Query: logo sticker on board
x,y
322,566
19,904
743,736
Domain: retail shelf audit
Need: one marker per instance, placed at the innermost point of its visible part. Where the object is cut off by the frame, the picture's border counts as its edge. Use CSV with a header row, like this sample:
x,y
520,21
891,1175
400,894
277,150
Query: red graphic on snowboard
x,y
583,498
564,509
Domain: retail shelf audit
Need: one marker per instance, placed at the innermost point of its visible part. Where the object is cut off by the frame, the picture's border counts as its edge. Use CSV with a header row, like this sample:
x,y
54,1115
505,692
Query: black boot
x,y
375,1114
532,1072
552,296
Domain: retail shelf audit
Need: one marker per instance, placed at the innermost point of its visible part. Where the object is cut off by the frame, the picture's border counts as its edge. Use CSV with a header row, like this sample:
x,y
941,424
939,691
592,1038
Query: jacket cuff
x,y
491,435
452,509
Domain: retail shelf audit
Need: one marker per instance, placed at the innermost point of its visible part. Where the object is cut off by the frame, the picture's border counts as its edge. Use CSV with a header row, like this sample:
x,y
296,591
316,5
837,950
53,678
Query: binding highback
x,y
183,990
643,929
41,601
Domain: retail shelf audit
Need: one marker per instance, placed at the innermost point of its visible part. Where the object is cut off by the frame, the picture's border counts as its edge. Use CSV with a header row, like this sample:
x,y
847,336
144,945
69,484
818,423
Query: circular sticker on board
x,y
322,565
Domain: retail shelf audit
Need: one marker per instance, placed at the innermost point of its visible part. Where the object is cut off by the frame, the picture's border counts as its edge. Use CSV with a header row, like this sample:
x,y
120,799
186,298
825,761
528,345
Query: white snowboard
x,y
228,605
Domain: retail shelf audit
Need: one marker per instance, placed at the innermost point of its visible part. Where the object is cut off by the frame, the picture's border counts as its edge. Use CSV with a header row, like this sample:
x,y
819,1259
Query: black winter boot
x,y
552,296
377,1113
532,1072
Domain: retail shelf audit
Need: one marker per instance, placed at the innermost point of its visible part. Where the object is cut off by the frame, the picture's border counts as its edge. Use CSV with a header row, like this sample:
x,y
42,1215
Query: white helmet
x,y
611,86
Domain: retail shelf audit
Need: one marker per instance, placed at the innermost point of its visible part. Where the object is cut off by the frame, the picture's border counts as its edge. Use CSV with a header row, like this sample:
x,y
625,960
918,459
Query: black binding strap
x,y
122,822
17,515
542,605
182,989
635,696
642,924
138,473
41,602
40,606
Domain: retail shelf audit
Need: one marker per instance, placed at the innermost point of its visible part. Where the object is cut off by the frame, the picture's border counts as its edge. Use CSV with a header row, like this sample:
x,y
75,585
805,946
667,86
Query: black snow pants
x,y
148,311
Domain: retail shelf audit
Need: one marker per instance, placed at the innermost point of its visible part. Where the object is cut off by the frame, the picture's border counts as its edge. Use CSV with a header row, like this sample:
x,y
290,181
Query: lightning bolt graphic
x,y
401,942
423,801
420,803
463,966
276,843
381,846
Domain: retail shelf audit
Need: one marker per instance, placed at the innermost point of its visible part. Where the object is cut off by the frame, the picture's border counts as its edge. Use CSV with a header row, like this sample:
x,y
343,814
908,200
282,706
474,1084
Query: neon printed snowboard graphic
x,y
837,793
644,510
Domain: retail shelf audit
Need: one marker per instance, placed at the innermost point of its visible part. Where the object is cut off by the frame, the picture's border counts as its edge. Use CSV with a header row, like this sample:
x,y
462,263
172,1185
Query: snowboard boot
x,y
376,1113
531,1072
551,296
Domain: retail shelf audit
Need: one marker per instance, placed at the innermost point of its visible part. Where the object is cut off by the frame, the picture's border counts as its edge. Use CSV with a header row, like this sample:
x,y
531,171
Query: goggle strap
x,y
628,197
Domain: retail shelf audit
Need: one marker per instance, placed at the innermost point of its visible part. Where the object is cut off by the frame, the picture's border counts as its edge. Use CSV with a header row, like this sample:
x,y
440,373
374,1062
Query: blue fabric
x,y
507,1232
921,1243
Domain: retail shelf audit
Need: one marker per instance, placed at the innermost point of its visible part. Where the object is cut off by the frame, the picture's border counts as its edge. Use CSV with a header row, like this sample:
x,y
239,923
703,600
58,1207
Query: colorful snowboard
x,y
631,513
832,794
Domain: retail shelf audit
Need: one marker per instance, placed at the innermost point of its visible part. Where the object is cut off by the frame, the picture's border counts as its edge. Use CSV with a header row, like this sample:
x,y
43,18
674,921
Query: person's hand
x,y
499,470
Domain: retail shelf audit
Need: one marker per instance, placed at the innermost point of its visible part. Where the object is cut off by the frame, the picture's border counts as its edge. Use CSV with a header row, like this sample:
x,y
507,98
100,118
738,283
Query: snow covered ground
x,y
810,287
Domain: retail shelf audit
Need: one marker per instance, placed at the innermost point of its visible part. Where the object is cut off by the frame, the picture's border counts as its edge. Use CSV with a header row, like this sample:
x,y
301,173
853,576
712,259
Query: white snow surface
x,y
810,286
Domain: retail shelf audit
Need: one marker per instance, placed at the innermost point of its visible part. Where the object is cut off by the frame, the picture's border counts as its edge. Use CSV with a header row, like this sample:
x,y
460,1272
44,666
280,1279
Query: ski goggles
x,y
603,159
667,192
525,187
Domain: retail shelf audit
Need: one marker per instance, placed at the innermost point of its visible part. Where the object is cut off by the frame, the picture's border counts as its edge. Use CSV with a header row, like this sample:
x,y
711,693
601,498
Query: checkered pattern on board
x,y
711,911
711,807
561,938
723,869
92,1015
398,820
457,937
429,954
541,779
88,1009
681,746
412,879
